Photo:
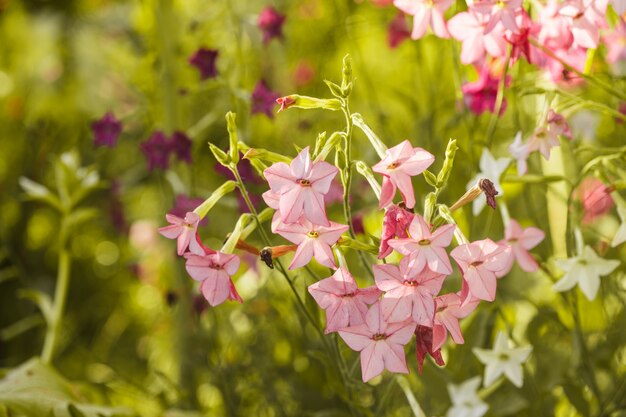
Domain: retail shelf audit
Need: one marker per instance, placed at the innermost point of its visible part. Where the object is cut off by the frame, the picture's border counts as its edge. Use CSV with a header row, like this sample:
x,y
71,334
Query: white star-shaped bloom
x,y
465,399
491,169
620,236
503,360
584,270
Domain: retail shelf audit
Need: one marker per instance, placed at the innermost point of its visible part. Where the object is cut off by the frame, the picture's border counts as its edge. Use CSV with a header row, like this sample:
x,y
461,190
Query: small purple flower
x,y
181,146
263,99
271,23
157,150
106,130
204,60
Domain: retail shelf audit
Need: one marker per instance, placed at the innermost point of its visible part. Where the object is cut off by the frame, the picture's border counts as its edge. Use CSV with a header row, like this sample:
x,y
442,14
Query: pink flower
x,y
214,270
480,96
400,163
424,345
395,224
521,241
557,124
586,17
184,230
596,199
301,186
481,262
408,296
397,31
554,29
615,43
449,311
270,21
426,248
344,302
469,28
499,11
519,40
426,12
381,343
543,140
312,240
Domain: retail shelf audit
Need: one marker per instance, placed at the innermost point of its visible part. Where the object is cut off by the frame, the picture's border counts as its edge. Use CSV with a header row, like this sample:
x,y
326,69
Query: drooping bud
x,y
208,204
305,102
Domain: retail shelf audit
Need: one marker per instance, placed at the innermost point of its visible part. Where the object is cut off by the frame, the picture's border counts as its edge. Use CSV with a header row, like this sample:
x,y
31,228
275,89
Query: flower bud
x,y
446,170
221,156
329,145
208,204
232,135
305,102
377,144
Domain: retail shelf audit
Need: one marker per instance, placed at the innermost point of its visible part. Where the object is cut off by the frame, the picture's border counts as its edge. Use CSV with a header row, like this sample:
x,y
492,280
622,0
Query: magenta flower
x,y
481,262
587,17
425,13
381,343
499,11
480,95
184,230
263,99
469,28
521,241
106,131
302,186
426,248
180,145
344,302
204,60
408,296
400,163
157,151
424,345
314,241
395,224
270,21
214,270
397,31
449,311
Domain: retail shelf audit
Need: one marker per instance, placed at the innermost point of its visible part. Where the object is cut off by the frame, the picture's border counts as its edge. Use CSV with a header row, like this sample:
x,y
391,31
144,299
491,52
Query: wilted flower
x,y
106,131
424,345
491,169
395,224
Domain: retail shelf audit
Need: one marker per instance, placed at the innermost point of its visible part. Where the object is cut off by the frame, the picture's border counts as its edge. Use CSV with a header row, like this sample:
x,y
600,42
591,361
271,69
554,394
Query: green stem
x,y
499,101
60,297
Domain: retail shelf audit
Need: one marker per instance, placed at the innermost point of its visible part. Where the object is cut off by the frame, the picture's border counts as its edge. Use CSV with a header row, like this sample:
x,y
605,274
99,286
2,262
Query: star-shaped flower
x,y
469,28
465,399
270,21
184,230
521,241
584,270
499,11
491,169
313,241
381,343
449,312
157,151
204,60
620,235
426,248
213,270
408,296
400,163
481,263
345,303
106,130
302,186
426,13
519,151
503,360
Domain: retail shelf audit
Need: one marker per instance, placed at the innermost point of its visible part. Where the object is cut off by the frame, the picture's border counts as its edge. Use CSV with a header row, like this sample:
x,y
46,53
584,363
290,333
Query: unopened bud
x,y
221,156
232,136
305,102
446,170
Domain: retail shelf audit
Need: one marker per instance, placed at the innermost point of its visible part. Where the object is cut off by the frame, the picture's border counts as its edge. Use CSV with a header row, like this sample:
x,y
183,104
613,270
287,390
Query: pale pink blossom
x,y
554,29
426,248
380,342
595,198
619,6
521,241
543,140
301,186
615,42
408,296
184,230
344,302
395,224
469,28
214,270
499,11
426,13
481,262
587,17
400,163
449,310
314,241
557,124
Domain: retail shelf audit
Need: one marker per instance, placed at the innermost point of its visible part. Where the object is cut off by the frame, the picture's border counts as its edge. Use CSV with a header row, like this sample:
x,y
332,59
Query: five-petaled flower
x,y
345,303
204,60
450,309
426,248
425,13
503,360
302,186
400,163
314,241
184,230
521,241
465,399
106,130
380,342
213,270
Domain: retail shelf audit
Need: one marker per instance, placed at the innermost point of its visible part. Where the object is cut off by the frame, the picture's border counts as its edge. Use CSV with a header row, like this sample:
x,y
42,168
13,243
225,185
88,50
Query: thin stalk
x,y
499,100
60,297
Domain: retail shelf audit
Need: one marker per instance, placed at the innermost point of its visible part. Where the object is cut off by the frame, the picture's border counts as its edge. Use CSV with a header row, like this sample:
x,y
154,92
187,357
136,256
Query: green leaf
x,y
39,192
335,90
430,178
42,300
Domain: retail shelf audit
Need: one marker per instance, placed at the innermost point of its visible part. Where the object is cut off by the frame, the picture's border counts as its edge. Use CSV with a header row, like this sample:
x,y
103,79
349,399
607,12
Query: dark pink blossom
x,y
480,95
204,60
270,21
180,145
395,224
106,131
397,31
263,99
157,151
424,345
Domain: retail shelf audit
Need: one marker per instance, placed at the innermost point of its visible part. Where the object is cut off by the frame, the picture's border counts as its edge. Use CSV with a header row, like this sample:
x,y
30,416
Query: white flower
x,y
503,360
584,270
491,169
620,236
465,400
519,151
